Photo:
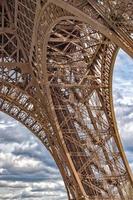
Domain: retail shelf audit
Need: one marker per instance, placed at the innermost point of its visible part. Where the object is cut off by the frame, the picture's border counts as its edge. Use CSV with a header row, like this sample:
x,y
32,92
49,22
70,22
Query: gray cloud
x,y
123,101
27,170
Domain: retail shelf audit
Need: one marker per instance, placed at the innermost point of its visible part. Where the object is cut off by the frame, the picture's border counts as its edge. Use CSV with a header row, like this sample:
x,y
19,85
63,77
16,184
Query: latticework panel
x,y
78,82
115,16
17,93
79,77
56,62
23,15
21,107
119,13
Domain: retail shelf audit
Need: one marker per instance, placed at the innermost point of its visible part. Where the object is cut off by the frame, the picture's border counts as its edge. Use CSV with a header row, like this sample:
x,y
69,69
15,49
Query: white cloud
x,y
123,100
27,171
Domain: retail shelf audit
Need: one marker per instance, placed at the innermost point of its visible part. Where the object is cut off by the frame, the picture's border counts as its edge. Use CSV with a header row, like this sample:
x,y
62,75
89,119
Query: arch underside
x,y
56,79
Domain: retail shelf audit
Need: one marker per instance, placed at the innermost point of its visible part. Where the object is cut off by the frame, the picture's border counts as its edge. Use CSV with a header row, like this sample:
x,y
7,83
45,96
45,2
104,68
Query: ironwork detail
x,y
56,63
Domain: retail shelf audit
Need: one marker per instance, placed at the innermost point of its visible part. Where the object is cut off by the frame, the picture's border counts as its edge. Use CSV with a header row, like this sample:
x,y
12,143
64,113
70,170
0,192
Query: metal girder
x,y
118,37
56,62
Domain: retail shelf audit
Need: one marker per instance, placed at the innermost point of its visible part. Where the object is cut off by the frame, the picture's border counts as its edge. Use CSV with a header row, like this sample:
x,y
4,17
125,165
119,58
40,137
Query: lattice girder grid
x,y
72,57
60,64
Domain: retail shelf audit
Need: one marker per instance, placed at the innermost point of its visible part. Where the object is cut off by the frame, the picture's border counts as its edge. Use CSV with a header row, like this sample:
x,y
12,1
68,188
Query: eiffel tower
x,y
56,66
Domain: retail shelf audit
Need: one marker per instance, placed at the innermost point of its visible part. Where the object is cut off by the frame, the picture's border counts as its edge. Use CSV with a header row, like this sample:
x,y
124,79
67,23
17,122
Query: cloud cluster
x,y
27,171
123,101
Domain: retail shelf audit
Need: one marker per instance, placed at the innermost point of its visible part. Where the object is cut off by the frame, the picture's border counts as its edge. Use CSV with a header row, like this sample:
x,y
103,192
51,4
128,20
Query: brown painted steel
x,y
56,65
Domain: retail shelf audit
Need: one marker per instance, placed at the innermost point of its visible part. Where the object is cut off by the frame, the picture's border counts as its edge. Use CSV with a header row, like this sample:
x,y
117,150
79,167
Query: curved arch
x,y
104,54
67,100
115,123
91,12
13,102
20,106
74,185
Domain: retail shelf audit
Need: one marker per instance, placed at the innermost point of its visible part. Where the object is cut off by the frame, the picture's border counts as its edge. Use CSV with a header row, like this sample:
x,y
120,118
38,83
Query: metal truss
x,y
56,65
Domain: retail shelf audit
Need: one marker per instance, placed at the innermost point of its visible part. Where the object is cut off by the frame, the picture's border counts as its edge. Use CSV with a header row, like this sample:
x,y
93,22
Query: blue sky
x,y
27,170
123,101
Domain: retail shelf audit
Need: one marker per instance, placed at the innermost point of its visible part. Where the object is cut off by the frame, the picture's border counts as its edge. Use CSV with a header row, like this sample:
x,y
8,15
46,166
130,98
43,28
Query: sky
x,y
27,171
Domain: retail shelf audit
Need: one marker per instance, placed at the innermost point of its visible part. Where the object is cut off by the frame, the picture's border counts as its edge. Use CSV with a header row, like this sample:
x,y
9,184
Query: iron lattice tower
x,y
56,63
